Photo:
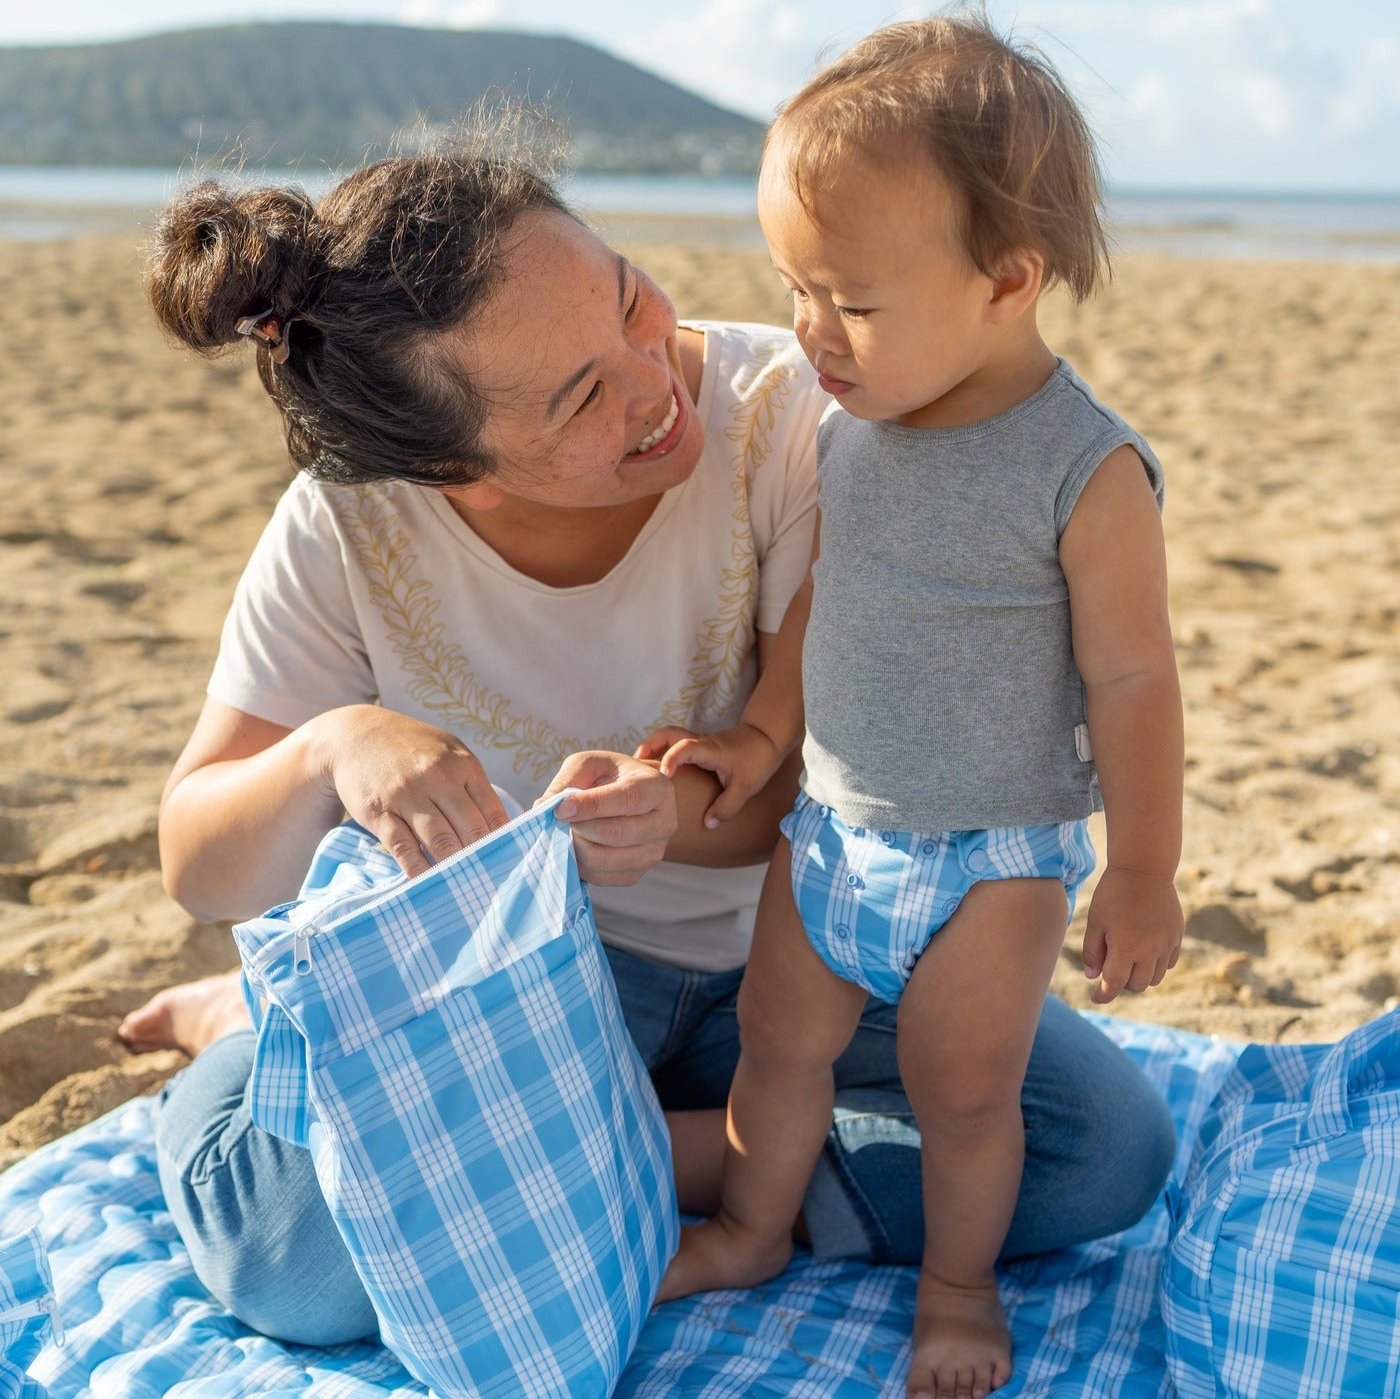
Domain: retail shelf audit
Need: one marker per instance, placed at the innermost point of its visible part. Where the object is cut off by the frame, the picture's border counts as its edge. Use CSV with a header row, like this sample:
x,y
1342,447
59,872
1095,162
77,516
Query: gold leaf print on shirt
x,y
726,640
439,676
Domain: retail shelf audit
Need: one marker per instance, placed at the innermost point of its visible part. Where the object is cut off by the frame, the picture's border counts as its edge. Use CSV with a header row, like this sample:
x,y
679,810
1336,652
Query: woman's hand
x,y
622,818
415,787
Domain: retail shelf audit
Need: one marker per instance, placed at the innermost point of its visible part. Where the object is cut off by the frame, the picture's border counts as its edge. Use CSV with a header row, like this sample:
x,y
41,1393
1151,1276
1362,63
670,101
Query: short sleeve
x,y
291,646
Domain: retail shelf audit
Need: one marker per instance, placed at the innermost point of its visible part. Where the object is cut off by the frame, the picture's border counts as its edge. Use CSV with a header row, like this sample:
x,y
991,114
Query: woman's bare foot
x,y
189,1017
720,1254
962,1346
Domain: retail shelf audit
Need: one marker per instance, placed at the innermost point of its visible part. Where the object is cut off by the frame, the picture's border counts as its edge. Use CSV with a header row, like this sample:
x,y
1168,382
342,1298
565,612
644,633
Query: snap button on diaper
x,y
950,907
825,811
929,847
855,881
842,931
887,837
978,860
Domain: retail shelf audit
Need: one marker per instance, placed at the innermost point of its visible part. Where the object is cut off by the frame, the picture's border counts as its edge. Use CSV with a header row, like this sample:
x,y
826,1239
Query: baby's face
x,y
887,304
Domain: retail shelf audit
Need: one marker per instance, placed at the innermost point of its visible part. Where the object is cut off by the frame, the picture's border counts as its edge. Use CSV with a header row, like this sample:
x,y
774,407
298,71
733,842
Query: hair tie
x,y
269,329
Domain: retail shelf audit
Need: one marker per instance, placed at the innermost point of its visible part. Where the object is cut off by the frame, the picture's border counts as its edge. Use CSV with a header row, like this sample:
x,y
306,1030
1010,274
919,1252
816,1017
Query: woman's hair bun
x,y
221,252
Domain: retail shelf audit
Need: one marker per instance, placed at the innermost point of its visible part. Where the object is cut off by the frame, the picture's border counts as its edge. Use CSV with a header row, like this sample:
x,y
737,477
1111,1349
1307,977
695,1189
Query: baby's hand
x,y
743,758
1134,934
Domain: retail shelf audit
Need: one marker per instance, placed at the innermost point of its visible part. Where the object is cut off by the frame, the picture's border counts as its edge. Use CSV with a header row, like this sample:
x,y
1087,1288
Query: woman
x,y
537,519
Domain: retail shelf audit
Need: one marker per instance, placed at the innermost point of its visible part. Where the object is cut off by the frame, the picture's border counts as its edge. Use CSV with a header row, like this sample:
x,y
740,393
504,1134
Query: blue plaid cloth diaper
x,y
872,900
28,1313
1283,1277
452,1050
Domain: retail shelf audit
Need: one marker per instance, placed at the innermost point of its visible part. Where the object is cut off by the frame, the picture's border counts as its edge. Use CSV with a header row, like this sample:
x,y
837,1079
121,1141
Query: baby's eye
x,y
853,313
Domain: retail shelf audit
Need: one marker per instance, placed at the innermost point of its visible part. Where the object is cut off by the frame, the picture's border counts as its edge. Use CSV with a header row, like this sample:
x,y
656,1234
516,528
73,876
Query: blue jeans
x,y
1099,1144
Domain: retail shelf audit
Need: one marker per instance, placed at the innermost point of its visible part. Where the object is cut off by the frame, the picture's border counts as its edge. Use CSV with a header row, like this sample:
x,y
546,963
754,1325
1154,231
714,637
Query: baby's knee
x,y
967,1103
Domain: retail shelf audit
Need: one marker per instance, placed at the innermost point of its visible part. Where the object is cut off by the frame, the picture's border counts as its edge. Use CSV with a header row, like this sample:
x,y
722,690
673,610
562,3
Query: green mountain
x,y
288,93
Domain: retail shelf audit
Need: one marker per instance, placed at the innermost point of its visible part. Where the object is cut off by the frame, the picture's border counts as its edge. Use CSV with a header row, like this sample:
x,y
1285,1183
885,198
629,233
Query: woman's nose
x,y
652,328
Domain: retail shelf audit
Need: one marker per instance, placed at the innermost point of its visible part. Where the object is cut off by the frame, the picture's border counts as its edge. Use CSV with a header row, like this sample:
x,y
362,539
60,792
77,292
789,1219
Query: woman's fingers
x,y
615,864
398,838
622,814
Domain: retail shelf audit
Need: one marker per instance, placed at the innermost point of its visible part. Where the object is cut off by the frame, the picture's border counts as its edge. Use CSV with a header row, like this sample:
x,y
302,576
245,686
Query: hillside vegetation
x,y
290,93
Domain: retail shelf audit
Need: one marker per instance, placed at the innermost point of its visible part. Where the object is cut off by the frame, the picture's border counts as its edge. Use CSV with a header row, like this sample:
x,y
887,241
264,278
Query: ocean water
x,y
39,203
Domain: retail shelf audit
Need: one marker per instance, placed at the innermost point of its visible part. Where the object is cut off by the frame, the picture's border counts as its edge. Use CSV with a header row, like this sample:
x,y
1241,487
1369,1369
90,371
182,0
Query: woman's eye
x,y
636,298
592,394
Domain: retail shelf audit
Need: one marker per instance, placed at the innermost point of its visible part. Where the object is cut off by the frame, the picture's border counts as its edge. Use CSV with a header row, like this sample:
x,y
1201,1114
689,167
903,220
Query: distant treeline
x,y
291,93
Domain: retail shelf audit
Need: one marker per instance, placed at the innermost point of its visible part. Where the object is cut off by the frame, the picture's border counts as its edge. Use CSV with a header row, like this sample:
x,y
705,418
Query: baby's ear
x,y
1017,279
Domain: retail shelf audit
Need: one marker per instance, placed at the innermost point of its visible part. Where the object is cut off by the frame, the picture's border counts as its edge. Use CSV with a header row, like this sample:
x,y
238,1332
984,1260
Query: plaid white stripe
x,y
139,1325
489,1143
872,901
1284,1274
26,1305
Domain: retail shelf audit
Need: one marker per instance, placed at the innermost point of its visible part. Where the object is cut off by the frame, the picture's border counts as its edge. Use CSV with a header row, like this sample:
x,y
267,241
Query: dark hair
x,y
395,254
995,119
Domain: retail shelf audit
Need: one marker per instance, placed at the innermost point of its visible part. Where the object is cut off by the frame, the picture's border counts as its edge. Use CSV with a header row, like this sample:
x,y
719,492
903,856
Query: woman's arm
x,y
248,800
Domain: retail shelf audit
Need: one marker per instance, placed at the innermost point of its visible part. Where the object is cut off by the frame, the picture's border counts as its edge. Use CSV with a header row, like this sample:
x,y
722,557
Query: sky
x,y
1195,94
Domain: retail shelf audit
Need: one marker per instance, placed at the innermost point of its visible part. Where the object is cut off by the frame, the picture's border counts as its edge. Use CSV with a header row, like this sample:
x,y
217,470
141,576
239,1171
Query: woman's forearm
x,y
746,838
236,836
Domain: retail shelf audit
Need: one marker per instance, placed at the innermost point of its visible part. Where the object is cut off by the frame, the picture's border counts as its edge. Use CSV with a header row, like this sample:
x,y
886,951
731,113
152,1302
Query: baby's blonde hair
x,y
995,119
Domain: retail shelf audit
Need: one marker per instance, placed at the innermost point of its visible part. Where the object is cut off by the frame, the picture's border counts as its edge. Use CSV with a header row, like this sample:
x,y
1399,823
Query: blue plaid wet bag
x,y
452,1049
28,1313
1283,1277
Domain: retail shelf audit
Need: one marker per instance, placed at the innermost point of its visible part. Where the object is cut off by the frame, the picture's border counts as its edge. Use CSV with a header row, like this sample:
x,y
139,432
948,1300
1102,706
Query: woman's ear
x,y
478,495
1017,280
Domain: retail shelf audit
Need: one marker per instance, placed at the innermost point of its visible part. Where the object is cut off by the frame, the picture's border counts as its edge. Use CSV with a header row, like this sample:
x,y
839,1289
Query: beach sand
x,y
136,479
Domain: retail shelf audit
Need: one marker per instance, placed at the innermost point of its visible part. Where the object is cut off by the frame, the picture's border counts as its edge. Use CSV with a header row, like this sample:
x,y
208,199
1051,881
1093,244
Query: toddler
x,y
981,649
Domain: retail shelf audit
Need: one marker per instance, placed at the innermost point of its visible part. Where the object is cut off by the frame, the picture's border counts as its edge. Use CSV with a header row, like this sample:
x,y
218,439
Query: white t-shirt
x,y
382,593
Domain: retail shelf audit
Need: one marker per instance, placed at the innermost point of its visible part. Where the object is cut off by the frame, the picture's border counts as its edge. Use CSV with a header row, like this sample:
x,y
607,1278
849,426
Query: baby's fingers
x,y
655,744
1117,968
729,803
698,751
1095,947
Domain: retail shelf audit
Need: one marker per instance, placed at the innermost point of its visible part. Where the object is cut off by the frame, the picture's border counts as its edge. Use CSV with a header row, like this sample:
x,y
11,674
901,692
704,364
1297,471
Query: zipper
x,y
341,909
42,1306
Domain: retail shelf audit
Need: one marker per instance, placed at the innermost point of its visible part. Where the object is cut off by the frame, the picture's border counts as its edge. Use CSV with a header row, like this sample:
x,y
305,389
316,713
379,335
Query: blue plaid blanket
x,y
140,1326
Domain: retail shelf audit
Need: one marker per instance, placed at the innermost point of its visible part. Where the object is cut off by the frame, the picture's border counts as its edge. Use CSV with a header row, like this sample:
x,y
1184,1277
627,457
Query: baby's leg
x,y
966,1024
795,1018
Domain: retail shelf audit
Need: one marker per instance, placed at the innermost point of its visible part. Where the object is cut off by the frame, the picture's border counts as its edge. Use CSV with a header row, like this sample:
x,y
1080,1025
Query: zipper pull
x,y
301,950
50,1305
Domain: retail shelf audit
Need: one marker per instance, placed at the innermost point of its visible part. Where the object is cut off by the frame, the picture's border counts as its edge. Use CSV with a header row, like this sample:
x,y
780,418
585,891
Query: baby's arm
x,y
745,757
1115,563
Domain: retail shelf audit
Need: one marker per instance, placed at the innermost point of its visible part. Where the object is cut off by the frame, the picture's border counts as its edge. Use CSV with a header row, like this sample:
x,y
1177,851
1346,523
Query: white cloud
x,y
457,14
745,54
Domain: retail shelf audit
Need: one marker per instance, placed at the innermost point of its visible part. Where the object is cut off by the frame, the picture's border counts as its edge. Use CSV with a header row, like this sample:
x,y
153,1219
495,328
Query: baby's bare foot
x,y
962,1347
720,1254
189,1017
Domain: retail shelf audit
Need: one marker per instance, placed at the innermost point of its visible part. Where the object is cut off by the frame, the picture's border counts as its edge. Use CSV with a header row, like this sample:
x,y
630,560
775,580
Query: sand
x,y
136,479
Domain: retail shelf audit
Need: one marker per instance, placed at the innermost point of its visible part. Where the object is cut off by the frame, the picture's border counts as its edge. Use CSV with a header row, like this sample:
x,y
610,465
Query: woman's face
x,y
576,355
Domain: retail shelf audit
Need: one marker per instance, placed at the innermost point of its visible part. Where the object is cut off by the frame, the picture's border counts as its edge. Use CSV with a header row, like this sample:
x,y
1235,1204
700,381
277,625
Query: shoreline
x,y
139,478
1190,239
